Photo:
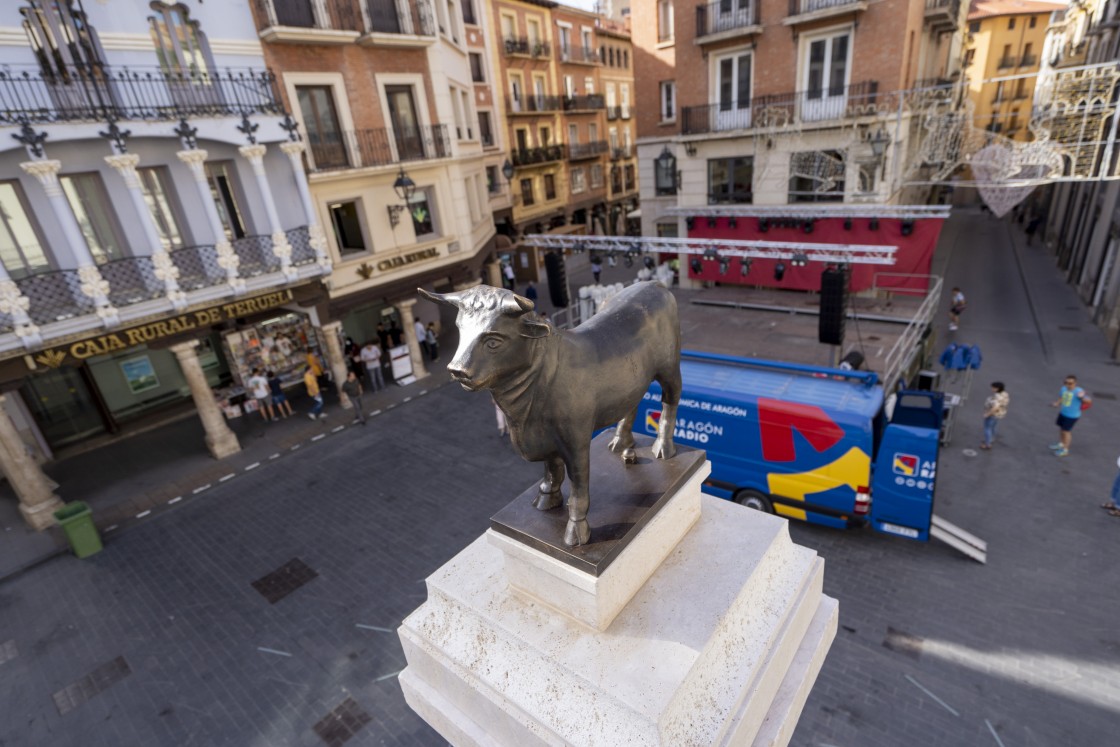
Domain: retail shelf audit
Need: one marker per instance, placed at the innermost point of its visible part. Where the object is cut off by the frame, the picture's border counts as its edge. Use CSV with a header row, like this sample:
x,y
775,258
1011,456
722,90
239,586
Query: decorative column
x,y
294,151
254,154
408,321
332,331
165,269
494,274
228,260
15,304
37,501
92,283
220,440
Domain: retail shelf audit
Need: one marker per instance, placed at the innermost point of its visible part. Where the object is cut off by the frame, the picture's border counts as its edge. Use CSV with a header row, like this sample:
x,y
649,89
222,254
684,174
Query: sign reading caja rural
x,y
152,331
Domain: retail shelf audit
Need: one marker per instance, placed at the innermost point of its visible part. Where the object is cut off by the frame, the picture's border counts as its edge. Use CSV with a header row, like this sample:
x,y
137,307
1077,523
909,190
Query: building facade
x,y
771,102
396,110
1003,55
156,226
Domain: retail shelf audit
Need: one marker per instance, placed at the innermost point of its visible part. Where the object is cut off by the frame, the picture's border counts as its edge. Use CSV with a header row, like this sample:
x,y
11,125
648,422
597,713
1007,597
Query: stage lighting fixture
x,y
779,270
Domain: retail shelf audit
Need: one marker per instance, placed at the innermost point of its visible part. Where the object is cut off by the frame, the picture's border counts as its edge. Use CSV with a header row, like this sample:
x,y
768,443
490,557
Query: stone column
x,y
494,274
92,283
228,260
165,269
15,304
294,151
220,440
332,332
408,322
254,154
37,501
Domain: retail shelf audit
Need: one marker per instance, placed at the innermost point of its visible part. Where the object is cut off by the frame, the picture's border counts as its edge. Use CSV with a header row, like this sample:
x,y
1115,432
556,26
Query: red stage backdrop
x,y
914,255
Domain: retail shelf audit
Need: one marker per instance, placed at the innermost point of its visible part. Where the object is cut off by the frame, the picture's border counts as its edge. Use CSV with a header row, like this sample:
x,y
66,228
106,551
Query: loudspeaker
x,y
834,306
557,280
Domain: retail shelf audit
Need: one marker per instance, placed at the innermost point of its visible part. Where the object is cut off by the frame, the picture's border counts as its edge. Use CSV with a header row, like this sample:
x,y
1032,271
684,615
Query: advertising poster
x,y
139,374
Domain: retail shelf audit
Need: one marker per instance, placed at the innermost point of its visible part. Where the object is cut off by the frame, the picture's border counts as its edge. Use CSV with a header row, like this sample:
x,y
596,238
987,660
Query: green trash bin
x,y
76,521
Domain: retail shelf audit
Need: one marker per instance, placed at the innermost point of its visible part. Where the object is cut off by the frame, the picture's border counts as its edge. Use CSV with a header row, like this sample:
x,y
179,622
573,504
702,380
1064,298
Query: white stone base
x,y
720,646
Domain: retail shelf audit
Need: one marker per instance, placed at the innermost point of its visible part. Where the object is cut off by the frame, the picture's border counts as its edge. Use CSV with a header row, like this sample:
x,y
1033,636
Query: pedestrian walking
x,y
396,334
1113,505
596,268
531,292
371,359
432,340
279,401
422,337
352,388
354,357
1071,400
957,304
507,276
995,408
311,381
258,387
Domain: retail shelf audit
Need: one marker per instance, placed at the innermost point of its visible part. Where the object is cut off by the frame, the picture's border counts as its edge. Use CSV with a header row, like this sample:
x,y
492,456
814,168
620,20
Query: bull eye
x,y
493,342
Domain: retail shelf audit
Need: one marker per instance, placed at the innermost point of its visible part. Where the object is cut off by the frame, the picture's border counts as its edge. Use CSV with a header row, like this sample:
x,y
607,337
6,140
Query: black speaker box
x,y
834,306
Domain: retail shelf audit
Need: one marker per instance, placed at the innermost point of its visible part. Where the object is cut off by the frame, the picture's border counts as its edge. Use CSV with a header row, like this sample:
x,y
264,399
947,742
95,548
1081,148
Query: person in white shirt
x,y
258,387
422,337
371,357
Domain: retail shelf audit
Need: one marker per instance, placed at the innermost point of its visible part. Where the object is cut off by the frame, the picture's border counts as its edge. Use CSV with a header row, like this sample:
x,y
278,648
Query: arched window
x,y
180,44
61,38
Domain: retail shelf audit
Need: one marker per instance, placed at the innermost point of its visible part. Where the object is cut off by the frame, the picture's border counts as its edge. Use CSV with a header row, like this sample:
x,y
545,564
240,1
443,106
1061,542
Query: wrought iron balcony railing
x,y
584,103
256,255
578,55
532,103
777,110
414,17
198,267
523,46
1006,62
580,151
621,152
1028,60
533,156
798,7
379,146
333,15
55,296
131,280
99,93
726,15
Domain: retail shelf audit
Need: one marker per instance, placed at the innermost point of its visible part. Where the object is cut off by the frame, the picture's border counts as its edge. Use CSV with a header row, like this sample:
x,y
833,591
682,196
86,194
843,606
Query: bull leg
x,y
578,531
624,437
549,495
663,446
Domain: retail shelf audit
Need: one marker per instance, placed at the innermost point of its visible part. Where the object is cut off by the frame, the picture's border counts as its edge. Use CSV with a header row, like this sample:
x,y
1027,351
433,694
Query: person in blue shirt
x,y
1069,400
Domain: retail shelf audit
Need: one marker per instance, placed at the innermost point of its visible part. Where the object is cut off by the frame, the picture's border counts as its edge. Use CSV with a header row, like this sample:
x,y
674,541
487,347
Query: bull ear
x,y
535,328
515,304
447,299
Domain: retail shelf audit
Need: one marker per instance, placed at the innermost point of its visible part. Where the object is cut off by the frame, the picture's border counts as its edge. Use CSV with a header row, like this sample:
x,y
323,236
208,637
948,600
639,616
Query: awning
x,y
635,213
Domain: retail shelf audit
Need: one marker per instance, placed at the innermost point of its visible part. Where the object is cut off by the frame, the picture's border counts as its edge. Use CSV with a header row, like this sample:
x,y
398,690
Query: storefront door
x,y
63,405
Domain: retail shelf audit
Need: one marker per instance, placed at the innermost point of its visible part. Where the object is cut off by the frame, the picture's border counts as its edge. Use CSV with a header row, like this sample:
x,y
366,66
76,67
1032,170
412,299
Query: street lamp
x,y
666,177
507,171
405,189
879,142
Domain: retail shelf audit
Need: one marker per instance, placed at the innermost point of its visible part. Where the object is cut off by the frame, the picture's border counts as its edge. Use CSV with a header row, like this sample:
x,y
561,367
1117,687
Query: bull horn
x,y
447,299
515,304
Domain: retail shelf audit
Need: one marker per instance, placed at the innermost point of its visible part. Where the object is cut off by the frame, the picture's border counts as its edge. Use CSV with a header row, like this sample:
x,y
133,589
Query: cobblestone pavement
x,y
251,614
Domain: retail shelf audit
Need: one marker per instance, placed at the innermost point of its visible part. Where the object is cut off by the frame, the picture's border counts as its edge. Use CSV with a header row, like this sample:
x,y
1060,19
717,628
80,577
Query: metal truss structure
x,y
794,252
815,211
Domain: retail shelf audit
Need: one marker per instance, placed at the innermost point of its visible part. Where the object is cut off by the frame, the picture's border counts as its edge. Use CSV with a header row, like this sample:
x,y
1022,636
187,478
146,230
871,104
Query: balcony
x,y
784,109
523,47
1007,62
622,152
1028,60
578,55
532,104
99,93
310,22
389,25
535,156
943,15
590,103
582,151
727,19
379,146
806,11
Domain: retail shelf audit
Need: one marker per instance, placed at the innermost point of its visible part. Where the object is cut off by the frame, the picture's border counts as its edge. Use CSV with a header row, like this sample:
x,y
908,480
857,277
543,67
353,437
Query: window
x,y
611,98
565,42
631,180
569,86
222,190
588,45
624,99
573,134
578,184
516,97
625,58
320,122
668,101
485,133
60,37
419,207
465,97
509,27
664,20
597,176
667,231
592,132
730,180
612,137
1013,125
969,56
347,224
527,192
476,67
154,184
733,86
534,27
826,76
974,27
545,136
87,199
493,186
589,86
1031,21
20,249
1011,23
468,12
550,186
522,136
816,176
181,46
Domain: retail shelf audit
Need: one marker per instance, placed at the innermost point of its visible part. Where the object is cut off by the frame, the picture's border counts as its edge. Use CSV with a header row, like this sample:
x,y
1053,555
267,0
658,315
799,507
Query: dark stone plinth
x,y
624,498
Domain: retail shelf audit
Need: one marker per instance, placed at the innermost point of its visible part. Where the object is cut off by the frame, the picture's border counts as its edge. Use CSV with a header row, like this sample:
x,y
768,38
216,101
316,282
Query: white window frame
x,y
341,105
738,116
582,182
827,106
671,86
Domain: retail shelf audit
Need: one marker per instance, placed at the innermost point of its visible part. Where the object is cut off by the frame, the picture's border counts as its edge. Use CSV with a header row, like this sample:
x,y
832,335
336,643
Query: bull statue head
x,y
492,323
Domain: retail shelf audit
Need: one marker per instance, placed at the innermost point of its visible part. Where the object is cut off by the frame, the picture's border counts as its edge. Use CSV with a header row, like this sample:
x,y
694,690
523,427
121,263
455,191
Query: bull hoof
x,y
547,501
629,456
577,533
618,444
663,450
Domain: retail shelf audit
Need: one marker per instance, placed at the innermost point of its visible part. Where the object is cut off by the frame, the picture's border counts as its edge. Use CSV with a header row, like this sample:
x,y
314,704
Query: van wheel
x,y
754,499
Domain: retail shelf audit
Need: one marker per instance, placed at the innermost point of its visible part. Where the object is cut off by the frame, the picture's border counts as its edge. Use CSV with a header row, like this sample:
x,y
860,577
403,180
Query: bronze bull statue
x,y
557,387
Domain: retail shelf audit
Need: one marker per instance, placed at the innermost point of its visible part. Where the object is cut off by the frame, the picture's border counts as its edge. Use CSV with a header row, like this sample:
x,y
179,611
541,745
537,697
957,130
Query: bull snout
x,y
461,375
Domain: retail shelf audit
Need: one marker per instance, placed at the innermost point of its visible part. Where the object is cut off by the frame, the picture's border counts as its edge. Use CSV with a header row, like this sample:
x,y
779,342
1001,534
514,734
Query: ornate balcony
x,y
727,19
534,156
806,11
379,146
591,103
99,93
622,152
390,25
780,110
943,15
310,22
522,46
532,104
578,55
581,151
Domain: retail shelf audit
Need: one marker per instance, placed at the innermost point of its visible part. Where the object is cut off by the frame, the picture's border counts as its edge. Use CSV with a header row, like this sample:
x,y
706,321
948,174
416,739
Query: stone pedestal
x,y
695,622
